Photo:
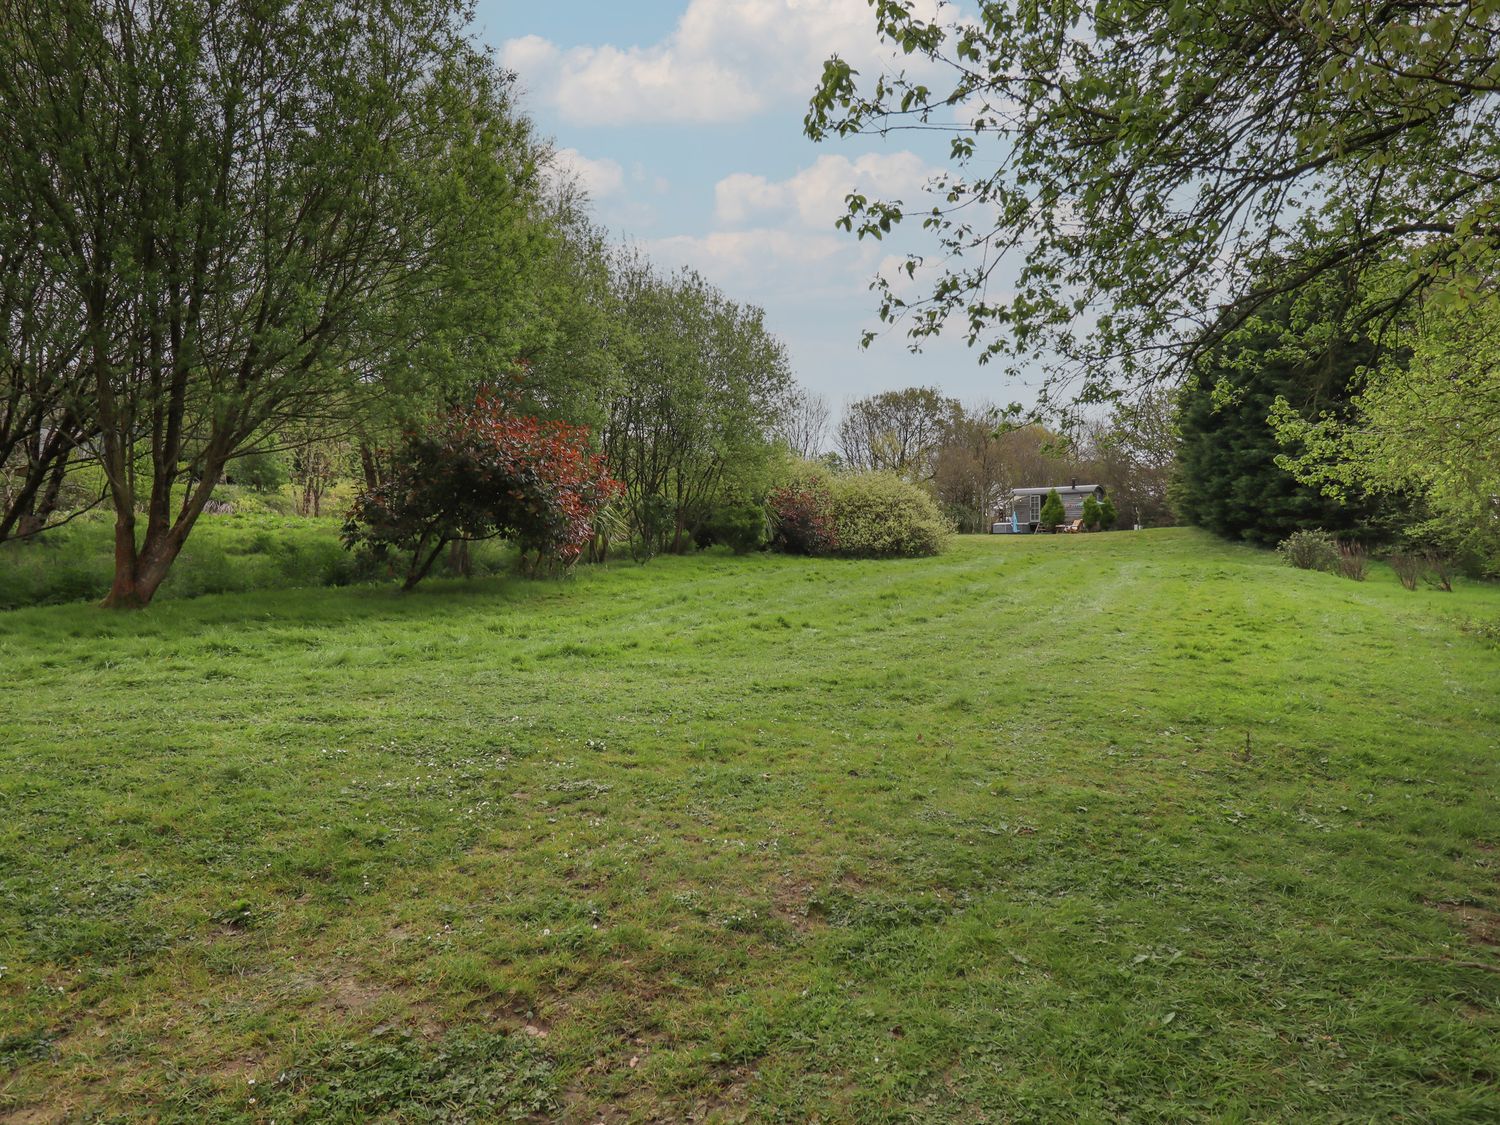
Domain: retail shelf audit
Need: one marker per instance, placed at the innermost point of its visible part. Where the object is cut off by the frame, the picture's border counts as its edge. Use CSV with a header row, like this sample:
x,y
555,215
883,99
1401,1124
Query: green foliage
x,y
381,157
879,515
1426,424
1310,550
228,554
1138,156
694,408
738,523
1090,513
1230,474
259,472
1107,514
1053,513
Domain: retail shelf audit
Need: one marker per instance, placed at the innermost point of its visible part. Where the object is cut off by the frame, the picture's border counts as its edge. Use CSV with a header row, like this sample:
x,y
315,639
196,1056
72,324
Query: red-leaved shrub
x,y
802,518
484,473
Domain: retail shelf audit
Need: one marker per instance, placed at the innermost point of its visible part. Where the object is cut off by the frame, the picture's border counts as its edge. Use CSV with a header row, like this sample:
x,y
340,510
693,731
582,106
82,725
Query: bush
x,y
1408,568
1310,550
485,473
1354,561
1053,513
737,524
858,515
879,515
259,472
802,517
1437,571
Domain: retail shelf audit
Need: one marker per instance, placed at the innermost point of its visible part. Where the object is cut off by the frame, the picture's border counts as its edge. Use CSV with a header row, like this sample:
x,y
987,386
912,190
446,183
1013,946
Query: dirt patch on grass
x,y
1480,925
350,995
32,1115
792,902
726,1105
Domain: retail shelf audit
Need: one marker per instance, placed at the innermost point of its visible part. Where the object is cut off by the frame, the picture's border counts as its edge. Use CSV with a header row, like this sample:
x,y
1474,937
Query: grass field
x,y
1130,826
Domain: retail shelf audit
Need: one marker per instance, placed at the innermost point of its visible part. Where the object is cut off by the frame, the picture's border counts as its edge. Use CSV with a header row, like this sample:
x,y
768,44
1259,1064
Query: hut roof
x,y
1062,489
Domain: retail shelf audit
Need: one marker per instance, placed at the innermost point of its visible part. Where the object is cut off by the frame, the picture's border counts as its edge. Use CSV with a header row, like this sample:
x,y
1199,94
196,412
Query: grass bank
x,y
238,553
1067,828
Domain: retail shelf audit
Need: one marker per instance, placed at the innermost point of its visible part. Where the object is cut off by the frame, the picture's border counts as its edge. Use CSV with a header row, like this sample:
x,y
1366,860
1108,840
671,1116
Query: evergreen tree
x,y
1053,512
1107,514
1090,513
1228,480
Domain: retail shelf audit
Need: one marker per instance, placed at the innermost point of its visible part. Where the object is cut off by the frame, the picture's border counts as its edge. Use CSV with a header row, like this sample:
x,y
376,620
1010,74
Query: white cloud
x,y
600,178
726,60
816,194
776,238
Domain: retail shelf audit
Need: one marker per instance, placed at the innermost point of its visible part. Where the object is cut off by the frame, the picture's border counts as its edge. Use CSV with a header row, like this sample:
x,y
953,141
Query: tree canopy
x,y
1230,476
250,215
1119,171
1423,426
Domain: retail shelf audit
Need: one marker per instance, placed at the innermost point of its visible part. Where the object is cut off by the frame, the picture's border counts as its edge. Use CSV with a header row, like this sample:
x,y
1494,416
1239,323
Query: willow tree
x,y
259,213
701,388
1118,170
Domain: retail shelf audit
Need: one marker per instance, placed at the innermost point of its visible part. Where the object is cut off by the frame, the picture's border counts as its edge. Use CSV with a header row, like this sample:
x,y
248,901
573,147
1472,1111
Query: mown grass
x,y
1058,828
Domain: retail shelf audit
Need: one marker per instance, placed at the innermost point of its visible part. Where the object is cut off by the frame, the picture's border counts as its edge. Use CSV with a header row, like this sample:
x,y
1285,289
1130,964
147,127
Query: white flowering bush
x,y
1310,550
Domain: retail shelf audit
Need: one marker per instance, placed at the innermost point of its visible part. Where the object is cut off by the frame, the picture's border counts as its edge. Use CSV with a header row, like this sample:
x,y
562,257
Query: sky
x,y
683,118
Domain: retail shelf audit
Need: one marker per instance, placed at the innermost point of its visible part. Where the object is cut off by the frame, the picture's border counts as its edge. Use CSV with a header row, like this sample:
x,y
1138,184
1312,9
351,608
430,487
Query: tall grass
x,y
225,554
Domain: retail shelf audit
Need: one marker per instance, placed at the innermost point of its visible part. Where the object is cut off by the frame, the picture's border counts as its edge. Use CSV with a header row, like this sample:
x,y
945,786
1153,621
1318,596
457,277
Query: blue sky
x,y
684,119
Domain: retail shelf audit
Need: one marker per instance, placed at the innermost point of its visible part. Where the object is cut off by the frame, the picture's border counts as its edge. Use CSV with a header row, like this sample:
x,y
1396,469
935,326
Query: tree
x,y
1140,159
254,214
1090,513
44,418
1053,513
316,465
1427,428
485,473
1107,514
803,427
701,387
1132,452
971,473
896,431
1229,479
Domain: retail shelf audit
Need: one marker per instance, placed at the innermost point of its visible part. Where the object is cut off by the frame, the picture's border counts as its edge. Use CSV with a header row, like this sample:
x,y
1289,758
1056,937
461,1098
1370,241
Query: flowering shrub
x,y
484,473
802,518
879,515
864,515
1309,550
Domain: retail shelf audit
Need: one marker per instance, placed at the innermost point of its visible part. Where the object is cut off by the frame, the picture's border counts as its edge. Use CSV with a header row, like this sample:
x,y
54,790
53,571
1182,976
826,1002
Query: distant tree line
x,y
971,457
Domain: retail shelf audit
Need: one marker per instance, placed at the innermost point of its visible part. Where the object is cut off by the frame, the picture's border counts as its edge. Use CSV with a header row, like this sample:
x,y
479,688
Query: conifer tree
x,y
1053,512
1107,514
1228,480
1090,513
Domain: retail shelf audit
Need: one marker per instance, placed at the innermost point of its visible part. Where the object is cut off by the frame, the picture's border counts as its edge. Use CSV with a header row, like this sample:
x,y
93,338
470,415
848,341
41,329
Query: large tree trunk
x,y
140,573
122,591
369,466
